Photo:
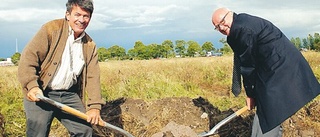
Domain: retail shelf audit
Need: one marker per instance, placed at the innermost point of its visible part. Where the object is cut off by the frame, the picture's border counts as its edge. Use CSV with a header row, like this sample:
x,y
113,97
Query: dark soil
x,y
186,117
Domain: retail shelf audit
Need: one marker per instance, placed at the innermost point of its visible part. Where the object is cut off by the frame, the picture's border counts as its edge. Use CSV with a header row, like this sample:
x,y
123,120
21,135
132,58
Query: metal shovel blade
x,y
81,115
224,121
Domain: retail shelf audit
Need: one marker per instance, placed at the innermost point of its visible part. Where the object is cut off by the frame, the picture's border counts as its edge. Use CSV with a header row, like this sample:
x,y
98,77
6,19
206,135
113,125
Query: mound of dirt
x,y
186,117
170,117
172,129
305,123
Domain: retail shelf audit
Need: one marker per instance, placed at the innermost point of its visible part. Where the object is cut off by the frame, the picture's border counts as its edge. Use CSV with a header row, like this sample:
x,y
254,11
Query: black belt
x,y
74,88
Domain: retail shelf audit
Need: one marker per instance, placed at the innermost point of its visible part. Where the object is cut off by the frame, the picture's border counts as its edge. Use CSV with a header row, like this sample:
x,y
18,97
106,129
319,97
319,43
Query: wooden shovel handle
x,y
79,114
240,111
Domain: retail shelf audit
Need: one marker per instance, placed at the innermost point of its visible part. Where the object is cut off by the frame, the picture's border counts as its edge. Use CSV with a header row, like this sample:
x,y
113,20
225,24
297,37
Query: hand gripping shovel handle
x,y
81,115
224,121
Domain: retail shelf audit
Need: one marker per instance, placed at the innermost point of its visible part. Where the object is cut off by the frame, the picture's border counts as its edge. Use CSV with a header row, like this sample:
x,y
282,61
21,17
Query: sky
x,y
123,22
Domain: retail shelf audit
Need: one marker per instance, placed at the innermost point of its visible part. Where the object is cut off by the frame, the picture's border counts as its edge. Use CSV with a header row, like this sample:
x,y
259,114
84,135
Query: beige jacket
x,y
41,56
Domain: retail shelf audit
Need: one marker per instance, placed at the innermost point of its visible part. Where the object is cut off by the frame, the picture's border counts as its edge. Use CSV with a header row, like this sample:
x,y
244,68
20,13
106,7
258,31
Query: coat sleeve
x,y
33,54
93,88
247,59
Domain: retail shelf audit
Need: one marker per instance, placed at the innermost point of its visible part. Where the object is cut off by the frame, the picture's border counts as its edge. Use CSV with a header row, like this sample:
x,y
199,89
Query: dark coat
x,y
274,71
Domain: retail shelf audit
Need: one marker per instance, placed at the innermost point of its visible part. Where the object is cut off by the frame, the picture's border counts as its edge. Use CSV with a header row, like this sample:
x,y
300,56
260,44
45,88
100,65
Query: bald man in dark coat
x,y
276,77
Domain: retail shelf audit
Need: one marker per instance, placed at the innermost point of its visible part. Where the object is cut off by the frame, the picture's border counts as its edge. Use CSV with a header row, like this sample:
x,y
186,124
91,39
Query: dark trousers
x,y
40,115
257,132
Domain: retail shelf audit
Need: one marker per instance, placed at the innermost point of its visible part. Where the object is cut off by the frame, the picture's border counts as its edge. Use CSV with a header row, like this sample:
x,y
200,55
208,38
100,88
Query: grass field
x,y
208,77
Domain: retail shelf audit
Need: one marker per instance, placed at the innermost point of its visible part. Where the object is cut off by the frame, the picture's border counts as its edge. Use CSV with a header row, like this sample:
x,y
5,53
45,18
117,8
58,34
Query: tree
x,y
139,51
168,48
311,41
181,47
103,54
305,44
154,50
296,42
316,42
15,58
117,52
207,47
193,48
226,49
132,54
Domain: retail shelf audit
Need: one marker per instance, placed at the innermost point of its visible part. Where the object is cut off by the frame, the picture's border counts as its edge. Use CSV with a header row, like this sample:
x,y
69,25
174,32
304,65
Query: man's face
x,y
78,20
221,24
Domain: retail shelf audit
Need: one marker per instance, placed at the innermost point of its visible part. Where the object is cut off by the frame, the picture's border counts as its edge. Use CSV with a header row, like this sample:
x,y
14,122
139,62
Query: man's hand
x,y
93,116
250,103
31,95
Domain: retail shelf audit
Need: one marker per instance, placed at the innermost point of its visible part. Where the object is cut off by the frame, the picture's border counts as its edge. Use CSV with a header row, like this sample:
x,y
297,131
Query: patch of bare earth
x,y
176,117
305,123
186,117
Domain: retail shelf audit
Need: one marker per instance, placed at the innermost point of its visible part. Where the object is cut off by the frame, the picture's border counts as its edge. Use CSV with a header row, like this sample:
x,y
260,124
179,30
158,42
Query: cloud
x,y
139,16
125,21
28,15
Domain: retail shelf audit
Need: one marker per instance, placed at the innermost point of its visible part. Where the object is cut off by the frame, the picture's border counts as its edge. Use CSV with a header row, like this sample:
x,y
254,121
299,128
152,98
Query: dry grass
x,y
165,77
209,77
314,60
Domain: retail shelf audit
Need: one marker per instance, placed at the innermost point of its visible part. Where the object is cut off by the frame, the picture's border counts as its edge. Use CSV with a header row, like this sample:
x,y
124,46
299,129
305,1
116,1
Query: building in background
x,y
8,62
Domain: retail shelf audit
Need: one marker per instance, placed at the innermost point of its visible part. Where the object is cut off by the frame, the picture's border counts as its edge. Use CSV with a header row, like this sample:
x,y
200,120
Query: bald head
x,y
218,15
222,19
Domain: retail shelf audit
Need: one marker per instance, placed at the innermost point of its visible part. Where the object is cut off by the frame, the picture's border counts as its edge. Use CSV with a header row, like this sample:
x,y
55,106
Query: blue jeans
x,y
40,115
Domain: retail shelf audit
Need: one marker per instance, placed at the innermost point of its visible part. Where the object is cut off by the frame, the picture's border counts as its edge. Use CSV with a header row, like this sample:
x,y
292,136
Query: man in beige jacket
x,y
61,63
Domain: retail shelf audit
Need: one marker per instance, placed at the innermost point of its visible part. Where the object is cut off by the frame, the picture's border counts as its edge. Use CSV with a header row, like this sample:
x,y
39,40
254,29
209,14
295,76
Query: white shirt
x,y
71,64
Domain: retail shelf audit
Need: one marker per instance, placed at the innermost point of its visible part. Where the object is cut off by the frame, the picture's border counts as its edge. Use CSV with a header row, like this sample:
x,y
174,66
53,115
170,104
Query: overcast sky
x,y
123,22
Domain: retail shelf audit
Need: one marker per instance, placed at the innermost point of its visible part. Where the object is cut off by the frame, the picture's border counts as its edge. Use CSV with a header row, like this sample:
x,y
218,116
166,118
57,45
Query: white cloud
x,y
139,16
29,15
158,18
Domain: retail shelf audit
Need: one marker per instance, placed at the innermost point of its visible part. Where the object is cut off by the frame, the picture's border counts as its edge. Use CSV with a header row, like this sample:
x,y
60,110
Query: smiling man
x,y
276,77
61,63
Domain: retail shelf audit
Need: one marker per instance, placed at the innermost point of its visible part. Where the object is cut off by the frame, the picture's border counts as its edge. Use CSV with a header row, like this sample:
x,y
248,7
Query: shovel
x,y
224,121
81,115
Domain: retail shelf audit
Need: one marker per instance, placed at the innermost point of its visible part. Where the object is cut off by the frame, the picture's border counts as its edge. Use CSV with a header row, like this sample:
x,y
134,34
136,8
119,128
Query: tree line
x,y
179,48
167,49
309,43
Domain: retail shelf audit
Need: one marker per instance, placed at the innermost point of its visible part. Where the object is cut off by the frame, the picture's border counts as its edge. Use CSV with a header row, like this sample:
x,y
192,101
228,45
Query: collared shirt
x,y
71,64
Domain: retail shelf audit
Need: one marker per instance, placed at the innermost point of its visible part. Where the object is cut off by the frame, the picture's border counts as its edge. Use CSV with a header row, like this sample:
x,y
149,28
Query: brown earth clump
x,y
305,123
186,117
177,117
